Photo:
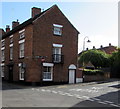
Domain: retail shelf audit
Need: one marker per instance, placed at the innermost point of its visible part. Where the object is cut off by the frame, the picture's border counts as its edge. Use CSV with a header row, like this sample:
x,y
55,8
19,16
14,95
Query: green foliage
x,y
96,57
93,72
115,63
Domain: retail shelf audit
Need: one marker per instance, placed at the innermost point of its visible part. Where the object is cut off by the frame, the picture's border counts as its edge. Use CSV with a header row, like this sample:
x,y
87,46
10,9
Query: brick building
x,y
42,49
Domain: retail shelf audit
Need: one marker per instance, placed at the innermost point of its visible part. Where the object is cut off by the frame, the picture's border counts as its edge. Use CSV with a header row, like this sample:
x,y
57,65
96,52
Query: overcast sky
x,y
97,20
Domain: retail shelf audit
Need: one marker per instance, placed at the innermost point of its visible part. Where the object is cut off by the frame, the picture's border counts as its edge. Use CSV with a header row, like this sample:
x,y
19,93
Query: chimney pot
x,y
109,44
86,48
35,11
101,46
7,28
14,24
93,47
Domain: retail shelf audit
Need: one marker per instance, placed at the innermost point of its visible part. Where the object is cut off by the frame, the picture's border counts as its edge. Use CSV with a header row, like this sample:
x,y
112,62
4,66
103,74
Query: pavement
x,y
92,94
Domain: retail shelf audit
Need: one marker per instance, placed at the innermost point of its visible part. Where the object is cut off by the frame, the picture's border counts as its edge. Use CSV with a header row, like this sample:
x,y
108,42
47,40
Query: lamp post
x,y
84,42
83,51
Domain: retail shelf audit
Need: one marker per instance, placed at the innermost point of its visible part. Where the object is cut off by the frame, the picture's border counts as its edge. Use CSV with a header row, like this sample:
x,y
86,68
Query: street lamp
x,y
84,42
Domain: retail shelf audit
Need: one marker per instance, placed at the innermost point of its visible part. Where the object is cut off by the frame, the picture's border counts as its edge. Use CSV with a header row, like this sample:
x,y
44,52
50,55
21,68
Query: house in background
x,y
43,49
108,50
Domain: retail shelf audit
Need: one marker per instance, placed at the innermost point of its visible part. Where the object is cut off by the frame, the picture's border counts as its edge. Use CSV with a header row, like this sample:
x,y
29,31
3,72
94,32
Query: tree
x,y
115,64
96,57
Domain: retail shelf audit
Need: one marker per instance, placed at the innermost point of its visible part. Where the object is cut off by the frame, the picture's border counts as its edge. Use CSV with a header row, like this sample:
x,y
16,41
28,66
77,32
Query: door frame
x,y
72,67
10,71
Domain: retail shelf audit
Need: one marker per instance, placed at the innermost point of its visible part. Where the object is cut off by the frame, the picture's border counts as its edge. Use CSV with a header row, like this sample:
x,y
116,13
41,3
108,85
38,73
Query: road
x,y
72,95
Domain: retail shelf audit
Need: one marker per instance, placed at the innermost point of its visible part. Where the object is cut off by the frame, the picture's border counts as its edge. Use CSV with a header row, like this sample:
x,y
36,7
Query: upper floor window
x,y
22,33
57,29
3,42
2,69
21,48
11,53
57,57
3,55
11,39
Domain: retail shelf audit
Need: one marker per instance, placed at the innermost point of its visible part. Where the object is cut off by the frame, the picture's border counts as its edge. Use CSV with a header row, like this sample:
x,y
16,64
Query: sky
x,y
96,20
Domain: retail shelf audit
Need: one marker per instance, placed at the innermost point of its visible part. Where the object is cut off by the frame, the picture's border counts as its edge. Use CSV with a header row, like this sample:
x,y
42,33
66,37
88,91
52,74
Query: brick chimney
x,y
93,47
7,28
14,24
35,11
101,46
109,44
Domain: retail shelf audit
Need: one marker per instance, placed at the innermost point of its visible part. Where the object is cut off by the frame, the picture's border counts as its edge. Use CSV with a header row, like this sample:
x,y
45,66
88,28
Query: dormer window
x,y
57,29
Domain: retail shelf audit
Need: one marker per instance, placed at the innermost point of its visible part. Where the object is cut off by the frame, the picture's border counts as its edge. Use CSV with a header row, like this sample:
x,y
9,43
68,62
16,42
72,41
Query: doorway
x,y
10,68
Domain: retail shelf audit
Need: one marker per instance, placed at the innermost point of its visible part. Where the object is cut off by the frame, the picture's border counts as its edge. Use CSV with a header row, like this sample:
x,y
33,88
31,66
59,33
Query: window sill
x,y
21,58
47,79
57,35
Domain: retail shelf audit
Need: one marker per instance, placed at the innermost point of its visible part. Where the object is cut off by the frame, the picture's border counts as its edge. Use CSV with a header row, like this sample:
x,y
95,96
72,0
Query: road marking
x,y
85,97
62,93
54,92
33,89
69,94
102,102
37,89
96,99
108,101
48,90
76,95
114,105
90,99
43,90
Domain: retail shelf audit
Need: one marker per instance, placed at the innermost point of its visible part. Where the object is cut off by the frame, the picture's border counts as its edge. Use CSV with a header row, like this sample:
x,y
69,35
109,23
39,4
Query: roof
x,y
108,49
27,22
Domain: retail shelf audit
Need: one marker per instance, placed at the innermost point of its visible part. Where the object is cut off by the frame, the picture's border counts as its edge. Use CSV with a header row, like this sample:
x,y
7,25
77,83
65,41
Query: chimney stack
x,y
109,44
35,11
93,47
14,24
101,46
7,28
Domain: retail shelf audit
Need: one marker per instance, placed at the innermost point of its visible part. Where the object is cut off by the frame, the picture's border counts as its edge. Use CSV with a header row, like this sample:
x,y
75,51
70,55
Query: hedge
x,y
92,72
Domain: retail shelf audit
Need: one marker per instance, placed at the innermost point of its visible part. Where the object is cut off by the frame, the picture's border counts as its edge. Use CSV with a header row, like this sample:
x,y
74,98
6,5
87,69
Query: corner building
x,y
43,49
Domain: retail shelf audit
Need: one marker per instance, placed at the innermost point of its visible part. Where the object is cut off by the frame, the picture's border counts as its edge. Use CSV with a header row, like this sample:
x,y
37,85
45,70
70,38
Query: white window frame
x,y
50,65
57,51
21,72
2,71
3,54
3,44
11,39
21,52
57,29
11,53
22,35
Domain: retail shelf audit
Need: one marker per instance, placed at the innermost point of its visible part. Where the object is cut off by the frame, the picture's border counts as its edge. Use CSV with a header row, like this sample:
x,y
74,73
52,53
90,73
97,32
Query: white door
x,y
71,76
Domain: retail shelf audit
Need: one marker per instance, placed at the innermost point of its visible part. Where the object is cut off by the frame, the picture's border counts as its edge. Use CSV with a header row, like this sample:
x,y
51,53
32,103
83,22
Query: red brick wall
x,y
39,41
43,40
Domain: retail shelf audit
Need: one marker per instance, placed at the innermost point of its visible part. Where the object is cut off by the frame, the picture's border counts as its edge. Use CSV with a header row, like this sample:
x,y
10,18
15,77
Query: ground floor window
x,y
21,73
2,71
47,73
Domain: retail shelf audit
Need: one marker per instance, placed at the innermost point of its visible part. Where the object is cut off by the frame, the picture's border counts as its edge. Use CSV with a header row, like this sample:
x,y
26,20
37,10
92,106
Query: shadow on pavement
x,y
112,97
